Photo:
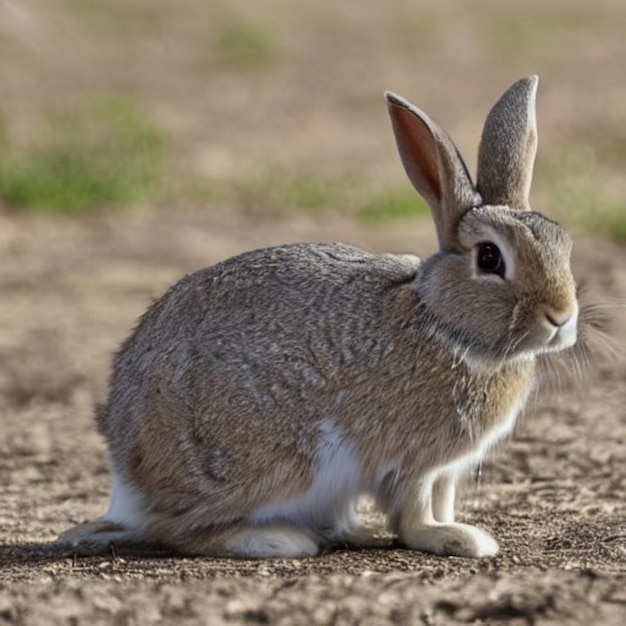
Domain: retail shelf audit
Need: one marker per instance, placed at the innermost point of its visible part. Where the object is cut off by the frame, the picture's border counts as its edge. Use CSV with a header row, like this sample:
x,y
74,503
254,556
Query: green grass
x,y
275,191
392,203
520,34
242,45
574,181
586,205
108,152
610,222
119,18
271,191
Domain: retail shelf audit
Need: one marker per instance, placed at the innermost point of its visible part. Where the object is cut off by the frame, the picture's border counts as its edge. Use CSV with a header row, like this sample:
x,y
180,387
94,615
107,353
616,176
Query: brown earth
x,y
553,496
72,287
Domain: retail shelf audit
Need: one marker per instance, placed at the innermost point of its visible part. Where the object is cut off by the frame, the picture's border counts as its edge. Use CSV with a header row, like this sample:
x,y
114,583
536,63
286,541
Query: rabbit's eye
x,y
489,259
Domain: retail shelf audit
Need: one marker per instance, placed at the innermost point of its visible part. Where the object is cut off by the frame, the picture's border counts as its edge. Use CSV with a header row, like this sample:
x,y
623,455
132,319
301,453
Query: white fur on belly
x,y
125,505
327,502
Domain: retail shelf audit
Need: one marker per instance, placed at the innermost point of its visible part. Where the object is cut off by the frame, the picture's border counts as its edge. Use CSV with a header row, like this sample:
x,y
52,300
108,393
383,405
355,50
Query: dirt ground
x,y
553,496
72,287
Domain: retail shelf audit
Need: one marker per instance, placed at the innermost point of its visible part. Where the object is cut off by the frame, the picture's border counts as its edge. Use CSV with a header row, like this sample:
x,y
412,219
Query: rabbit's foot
x,y
270,541
450,540
95,537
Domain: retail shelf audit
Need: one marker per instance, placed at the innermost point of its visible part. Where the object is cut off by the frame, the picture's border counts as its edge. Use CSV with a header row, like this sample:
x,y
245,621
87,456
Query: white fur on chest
x,y
336,484
484,443
498,432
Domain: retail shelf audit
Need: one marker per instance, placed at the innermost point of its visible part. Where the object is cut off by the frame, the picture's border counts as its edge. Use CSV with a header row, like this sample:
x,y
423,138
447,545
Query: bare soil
x,y
553,496
71,288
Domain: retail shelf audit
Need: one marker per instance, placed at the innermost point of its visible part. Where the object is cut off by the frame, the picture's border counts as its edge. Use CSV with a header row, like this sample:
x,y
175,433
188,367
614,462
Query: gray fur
x,y
245,378
508,147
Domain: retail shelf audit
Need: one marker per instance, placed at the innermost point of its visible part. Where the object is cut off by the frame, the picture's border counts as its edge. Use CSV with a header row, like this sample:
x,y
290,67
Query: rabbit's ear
x,y
508,147
434,166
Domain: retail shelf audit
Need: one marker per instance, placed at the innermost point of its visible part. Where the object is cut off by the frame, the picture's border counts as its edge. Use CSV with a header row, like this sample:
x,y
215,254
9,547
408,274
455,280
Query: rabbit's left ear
x,y
434,166
508,147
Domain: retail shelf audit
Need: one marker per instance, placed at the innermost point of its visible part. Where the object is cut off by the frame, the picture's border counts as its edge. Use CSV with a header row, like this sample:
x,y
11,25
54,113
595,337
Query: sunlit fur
x,y
259,398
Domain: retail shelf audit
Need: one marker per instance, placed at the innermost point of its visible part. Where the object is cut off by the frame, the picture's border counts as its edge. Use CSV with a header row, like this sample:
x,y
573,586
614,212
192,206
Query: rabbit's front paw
x,y
450,540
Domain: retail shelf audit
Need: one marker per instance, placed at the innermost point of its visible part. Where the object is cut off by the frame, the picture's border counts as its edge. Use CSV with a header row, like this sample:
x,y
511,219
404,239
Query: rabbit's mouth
x,y
564,334
562,340
551,332
554,340
545,337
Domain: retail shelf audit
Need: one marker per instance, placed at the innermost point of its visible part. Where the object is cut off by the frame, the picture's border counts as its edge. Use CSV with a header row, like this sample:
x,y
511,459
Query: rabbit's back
x,y
250,353
292,302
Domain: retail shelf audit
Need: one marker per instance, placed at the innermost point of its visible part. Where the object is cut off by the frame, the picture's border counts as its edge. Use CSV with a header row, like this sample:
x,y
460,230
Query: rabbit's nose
x,y
560,318
561,324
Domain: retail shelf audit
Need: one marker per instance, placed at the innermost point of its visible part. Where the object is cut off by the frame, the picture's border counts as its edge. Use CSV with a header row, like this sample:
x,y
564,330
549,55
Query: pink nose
x,y
559,318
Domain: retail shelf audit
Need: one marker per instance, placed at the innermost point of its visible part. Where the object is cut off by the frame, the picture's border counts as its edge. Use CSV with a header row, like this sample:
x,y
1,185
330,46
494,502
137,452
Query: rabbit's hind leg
x,y
98,537
270,541
245,541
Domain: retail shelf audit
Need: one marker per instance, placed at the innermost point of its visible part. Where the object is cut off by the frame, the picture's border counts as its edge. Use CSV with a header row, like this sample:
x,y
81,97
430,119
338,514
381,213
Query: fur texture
x,y
259,398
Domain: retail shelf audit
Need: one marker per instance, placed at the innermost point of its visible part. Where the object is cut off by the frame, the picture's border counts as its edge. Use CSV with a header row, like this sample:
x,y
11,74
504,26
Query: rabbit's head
x,y
500,286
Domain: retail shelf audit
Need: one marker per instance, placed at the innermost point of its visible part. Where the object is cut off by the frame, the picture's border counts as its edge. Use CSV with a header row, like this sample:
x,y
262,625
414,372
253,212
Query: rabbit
x,y
258,399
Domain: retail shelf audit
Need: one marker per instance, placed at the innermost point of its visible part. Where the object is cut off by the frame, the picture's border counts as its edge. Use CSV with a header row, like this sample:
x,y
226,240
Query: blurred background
x,y
268,108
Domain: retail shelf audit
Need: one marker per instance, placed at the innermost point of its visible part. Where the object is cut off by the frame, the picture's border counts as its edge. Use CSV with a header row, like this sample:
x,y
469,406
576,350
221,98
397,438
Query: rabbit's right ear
x,y
434,166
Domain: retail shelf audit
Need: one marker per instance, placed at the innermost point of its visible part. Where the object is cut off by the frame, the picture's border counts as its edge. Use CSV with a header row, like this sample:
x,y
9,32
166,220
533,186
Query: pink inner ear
x,y
419,152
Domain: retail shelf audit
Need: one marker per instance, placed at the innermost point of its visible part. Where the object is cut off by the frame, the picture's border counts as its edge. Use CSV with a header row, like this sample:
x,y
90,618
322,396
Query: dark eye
x,y
489,259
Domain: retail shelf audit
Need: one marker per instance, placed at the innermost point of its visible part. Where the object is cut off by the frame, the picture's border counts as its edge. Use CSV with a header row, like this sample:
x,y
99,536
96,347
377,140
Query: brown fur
x,y
217,400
